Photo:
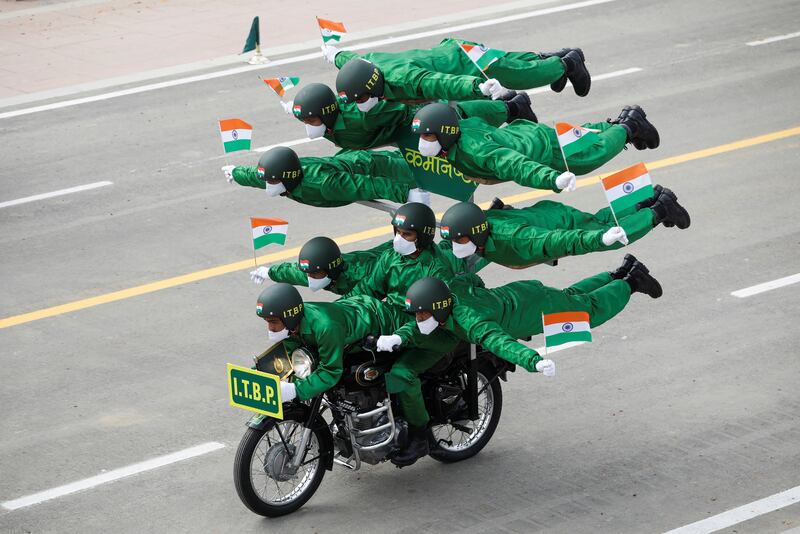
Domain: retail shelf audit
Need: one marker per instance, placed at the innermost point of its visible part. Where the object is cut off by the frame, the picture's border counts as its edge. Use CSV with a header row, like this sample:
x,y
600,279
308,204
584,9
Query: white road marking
x,y
111,476
767,286
742,513
60,192
538,90
773,39
296,59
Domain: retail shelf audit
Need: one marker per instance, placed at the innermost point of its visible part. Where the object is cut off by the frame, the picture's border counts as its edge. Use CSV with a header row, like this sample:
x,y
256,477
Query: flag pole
x,y
255,261
219,126
566,165
613,213
544,335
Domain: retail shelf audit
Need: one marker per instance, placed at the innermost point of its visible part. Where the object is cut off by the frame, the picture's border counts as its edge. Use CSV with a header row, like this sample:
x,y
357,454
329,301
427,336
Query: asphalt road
x,y
682,408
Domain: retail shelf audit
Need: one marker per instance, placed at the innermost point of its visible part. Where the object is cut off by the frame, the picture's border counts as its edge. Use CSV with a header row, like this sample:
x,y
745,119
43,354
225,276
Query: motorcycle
x,y
280,463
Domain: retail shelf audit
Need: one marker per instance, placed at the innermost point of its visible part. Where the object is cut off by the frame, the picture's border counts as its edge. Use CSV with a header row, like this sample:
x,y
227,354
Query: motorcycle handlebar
x,y
371,343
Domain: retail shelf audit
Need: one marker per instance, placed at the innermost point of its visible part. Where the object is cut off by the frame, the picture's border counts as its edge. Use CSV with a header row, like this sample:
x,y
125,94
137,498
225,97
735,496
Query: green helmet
x,y
431,295
281,163
465,219
357,78
321,254
418,217
316,100
282,301
439,119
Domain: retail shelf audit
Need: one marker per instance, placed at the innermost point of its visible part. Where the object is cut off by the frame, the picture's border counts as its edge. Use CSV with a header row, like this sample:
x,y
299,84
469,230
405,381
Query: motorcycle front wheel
x,y
460,440
264,480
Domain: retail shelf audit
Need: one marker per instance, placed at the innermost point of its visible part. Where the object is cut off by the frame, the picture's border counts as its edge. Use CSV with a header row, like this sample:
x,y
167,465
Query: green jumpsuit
x,y
357,266
329,327
550,230
496,318
528,153
384,123
391,277
342,179
445,72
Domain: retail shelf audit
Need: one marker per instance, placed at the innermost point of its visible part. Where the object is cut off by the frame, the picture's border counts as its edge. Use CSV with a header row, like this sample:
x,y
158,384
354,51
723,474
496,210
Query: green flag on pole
x,y
253,39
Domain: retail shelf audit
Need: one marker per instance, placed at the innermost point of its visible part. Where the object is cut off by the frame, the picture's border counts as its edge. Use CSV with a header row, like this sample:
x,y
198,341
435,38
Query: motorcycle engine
x,y
366,403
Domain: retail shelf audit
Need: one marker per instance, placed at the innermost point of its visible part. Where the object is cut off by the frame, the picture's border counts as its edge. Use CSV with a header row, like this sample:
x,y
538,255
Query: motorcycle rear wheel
x,y
453,443
262,482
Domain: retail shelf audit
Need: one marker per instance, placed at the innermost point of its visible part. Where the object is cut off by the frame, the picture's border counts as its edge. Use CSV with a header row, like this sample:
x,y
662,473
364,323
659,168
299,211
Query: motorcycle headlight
x,y
302,363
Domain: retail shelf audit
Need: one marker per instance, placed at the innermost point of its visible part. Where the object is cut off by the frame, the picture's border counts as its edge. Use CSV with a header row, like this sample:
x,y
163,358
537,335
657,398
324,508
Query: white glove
x,y
614,234
492,87
329,53
566,181
419,195
546,367
288,391
259,275
227,170
287,106
385,343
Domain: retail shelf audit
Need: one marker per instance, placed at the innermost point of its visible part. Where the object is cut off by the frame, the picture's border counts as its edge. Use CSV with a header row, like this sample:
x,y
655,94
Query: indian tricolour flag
x,y
331,31
624,189
267,231
236,134
282,84
566,327
573,138
480,55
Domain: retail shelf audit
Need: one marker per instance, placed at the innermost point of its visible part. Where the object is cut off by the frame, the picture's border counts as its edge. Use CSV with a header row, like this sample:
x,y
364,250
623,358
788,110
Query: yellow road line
x,y
358,236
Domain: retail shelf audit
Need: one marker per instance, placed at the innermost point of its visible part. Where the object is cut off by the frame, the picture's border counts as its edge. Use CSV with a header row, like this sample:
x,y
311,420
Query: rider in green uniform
x,y
348,127
447,72
525,152
496,318
347,177
550,230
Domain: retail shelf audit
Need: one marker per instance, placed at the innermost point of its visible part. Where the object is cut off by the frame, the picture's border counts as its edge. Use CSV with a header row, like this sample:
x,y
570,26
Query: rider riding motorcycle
x,y
550,230
496,318
339,180
525,152
348,127
446,71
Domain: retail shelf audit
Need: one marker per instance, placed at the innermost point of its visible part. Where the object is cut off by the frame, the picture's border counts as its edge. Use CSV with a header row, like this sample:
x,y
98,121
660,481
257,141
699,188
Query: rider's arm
x,y
508,164
248,176
288,273
539,244
342,57
494,112
330,344
493,338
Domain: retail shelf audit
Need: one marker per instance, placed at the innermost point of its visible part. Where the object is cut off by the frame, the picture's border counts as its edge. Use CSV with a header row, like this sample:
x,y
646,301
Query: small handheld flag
x,y
268,231
481,56
236,134
626,188
282,84
253,38
331,30
565,327
573,138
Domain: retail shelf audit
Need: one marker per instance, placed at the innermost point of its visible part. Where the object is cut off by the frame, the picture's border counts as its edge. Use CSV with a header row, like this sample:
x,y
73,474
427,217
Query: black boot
x,y
657,189
641,132
669,212
509,95
641,281
416,448
558,85
622,271
577,72
519,107
498,204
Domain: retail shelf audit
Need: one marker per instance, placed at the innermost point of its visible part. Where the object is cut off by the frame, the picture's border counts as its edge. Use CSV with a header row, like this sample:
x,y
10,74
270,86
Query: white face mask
x,y
429,148
401,246
273,190
315,284
368,105
277,336
314,132
462,251
428,325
